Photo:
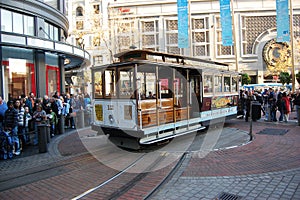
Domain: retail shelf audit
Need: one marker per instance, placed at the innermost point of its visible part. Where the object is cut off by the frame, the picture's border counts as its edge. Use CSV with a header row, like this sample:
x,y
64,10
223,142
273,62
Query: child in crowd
x,y
27,118
53,122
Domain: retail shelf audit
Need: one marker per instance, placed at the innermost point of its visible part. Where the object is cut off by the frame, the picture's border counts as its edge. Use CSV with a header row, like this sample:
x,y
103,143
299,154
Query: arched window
x,y
79,11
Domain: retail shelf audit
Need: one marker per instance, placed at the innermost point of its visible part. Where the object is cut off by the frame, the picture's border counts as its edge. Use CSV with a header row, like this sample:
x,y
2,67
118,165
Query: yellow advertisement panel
x,y
99,112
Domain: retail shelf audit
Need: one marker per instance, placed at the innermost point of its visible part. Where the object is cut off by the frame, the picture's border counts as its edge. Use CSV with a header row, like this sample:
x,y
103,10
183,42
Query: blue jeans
x,y
15,138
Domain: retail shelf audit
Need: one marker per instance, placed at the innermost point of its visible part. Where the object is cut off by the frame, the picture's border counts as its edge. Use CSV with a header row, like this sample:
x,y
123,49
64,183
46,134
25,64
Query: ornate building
x,y
124,24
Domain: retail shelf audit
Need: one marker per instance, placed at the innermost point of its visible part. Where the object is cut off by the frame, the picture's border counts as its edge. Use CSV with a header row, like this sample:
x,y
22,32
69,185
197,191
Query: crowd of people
x,y
21,116
271,101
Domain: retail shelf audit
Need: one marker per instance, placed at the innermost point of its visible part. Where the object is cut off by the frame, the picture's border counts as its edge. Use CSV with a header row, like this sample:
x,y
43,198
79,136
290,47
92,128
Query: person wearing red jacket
x,y
286,106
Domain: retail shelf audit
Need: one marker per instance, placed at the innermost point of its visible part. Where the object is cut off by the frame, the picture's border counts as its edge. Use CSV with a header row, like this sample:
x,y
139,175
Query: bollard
x,y
256,110
42,138
80,119
61,124
48,133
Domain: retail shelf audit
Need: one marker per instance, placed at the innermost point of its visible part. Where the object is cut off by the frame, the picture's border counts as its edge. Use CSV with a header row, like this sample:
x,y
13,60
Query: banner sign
x,y
226,22
283,21
183,31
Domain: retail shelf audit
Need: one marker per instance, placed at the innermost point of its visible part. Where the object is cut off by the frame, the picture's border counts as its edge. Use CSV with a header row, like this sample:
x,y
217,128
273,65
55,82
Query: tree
x,y
285,78
246,79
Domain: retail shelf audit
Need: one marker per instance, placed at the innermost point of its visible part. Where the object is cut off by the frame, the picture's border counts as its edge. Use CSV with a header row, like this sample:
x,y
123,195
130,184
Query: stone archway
x,y
258,48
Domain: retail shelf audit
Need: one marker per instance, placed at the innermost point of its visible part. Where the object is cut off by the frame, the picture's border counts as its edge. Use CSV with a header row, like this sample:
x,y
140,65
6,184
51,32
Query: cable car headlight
x,y
111,119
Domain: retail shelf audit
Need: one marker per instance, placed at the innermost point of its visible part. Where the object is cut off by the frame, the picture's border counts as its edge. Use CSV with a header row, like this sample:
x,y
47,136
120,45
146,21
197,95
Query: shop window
x,y
18,72
52,79
52,74
18,78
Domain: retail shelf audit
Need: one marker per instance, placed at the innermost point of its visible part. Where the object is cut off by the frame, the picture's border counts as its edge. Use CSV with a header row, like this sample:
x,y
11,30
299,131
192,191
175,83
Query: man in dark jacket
x,y
10,123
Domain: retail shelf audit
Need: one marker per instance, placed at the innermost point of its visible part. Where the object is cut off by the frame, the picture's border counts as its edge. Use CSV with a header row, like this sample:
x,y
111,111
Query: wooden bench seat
x,y
165,112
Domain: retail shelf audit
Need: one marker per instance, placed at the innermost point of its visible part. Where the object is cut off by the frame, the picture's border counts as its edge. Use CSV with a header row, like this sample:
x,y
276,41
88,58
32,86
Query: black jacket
x,y
10,118
297,100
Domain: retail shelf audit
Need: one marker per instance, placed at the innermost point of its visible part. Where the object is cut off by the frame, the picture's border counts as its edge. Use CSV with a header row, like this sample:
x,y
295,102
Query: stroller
x,y
6,145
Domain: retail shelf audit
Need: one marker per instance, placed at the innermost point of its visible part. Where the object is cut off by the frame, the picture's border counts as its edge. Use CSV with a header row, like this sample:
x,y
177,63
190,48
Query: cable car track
x,y
130,184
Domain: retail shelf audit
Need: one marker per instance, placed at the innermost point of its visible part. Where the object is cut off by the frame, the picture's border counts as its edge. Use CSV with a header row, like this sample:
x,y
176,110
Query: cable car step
x,y
170,134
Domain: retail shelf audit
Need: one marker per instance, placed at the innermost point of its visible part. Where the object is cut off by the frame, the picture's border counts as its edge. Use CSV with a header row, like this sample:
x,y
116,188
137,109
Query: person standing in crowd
x,y
297,105
286,107
244,99
272,103
266,105
279,105
53,122
3,108
38,116
69,122
10,123
46,104
77,103
259,98
57,106
30,102
87,100
27,119
21,111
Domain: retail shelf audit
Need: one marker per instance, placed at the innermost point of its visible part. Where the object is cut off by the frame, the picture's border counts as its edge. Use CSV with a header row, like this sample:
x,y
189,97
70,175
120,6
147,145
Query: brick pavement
x,y
266,168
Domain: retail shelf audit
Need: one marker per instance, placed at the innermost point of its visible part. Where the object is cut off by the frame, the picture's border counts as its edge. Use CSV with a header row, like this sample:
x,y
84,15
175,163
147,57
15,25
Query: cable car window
x,y
226,84
110,83
218,83
126,82
165,82
146,83
207,83
98,85
234,84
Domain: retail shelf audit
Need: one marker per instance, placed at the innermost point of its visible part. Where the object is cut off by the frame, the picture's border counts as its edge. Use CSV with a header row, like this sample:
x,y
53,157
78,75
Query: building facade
x,y
34,53
124,24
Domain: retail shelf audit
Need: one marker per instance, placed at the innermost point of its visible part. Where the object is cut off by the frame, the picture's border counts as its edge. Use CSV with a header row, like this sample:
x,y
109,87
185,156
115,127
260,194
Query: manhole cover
x,y
273,131
228,196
